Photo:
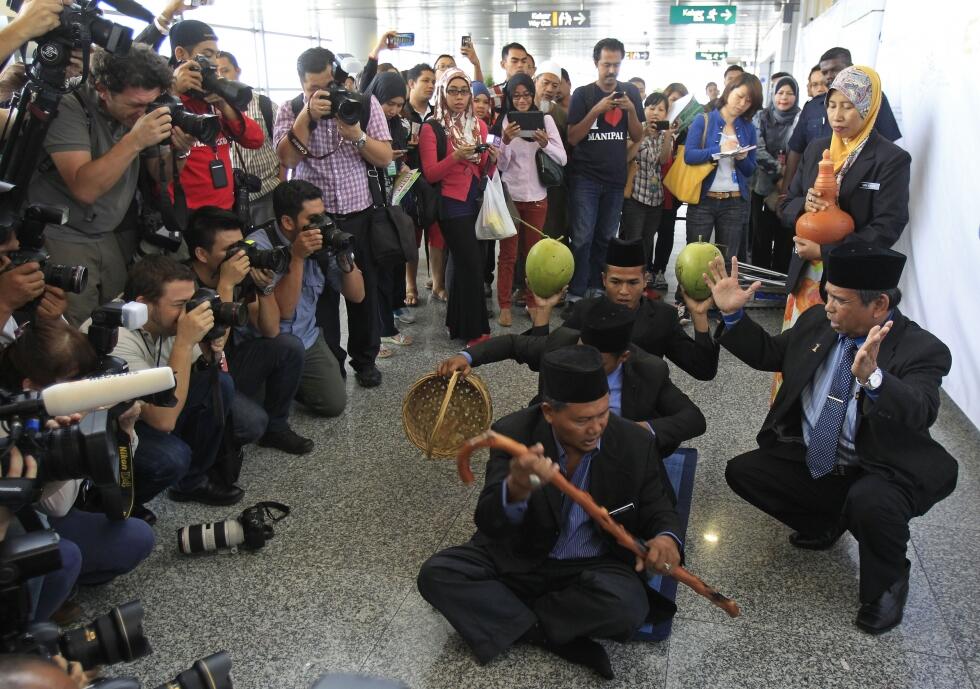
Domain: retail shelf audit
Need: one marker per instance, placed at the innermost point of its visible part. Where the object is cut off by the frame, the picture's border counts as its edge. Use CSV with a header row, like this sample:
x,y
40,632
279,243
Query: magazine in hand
x,y
402,183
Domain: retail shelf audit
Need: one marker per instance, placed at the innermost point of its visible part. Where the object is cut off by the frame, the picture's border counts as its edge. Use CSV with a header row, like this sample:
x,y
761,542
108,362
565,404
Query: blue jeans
x,y
724,216
273,365
182,458
596,209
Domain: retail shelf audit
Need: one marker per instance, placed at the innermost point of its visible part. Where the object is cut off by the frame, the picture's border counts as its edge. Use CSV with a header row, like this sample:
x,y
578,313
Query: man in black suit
x,y
640,388
846,444
538,569
658,330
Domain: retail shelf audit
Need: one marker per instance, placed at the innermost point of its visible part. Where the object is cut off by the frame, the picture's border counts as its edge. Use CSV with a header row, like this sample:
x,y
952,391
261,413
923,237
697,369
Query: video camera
x,y
237,94
226,314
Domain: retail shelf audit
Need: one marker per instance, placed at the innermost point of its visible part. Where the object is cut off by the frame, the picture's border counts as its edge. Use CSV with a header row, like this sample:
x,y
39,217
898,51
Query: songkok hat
x,y
548,67
608,327
189,32
625,254
860,265
574,374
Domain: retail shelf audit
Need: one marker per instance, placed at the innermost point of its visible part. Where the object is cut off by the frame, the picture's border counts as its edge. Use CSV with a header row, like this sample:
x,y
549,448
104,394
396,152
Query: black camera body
x,y
276,259
69,278
237,94
481,148
344,105
249,530
226,314
204,128
335,240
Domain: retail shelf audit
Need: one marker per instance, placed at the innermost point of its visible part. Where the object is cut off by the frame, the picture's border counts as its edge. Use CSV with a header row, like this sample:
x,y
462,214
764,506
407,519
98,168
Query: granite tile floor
x,y
334,591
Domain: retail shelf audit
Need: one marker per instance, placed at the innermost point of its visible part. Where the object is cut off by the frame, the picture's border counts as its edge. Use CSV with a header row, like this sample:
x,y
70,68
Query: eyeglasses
x,y
457,92
521,96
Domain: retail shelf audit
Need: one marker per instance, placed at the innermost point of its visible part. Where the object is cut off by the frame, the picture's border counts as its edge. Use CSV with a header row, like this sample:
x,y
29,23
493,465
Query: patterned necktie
x,y
821,453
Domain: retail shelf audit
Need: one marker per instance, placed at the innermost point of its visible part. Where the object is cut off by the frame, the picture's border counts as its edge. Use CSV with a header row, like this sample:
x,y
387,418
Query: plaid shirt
x,y
342,175
647,187
262,162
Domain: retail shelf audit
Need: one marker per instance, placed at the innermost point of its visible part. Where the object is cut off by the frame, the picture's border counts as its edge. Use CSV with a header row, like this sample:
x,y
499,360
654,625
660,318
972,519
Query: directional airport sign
x,y
549,19
708,55
702,14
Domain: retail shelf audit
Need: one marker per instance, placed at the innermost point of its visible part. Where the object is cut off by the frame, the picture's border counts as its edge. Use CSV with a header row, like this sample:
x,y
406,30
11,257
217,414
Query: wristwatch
x,y
873,382
268,290
362,142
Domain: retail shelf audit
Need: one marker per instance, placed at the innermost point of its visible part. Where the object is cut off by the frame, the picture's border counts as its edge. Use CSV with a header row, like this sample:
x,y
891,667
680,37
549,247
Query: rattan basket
x,y
439,414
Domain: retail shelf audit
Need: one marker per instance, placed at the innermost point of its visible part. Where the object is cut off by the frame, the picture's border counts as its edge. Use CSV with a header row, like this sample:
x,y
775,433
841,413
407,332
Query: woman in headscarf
x,y
873,174
518,168
390,90
772,244
482,105
459,170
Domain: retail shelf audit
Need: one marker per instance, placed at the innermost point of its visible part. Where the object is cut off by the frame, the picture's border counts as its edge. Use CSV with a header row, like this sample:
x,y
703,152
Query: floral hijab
x,y
462,129
862,86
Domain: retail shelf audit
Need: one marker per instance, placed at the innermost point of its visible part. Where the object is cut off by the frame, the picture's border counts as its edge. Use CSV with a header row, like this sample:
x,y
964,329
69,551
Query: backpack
x,y
265,105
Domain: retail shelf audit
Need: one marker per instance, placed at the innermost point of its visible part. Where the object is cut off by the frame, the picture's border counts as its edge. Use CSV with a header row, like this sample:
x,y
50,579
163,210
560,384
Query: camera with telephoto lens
x,y
204,128
230,314
248,530
69,278
344,105
276,260
237,94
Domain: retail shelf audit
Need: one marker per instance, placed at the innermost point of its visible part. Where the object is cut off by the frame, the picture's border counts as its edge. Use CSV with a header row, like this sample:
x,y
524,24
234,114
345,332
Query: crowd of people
x,y
279,207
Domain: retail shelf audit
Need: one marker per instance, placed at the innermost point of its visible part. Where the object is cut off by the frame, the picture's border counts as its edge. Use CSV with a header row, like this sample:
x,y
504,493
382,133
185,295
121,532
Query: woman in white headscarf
x,y
459,168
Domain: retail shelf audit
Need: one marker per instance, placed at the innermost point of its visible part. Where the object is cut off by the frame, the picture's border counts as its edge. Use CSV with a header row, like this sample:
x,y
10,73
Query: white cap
x,y
548,67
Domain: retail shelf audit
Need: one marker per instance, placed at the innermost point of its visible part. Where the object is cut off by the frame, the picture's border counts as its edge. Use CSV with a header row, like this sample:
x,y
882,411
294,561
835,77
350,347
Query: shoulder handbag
x,y
683,180
392,232
550,173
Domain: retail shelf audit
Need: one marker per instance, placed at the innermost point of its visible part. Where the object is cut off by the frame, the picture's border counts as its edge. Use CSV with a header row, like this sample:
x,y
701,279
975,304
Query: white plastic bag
x,y
494,221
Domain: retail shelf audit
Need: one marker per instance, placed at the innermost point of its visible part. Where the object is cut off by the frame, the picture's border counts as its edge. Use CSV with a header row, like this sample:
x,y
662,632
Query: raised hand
x,y
728,295
866,359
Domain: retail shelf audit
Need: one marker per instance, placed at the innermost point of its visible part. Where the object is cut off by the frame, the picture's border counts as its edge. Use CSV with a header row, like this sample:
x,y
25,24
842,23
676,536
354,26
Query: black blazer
x,y
627,469
658,331
893,432
648,393
880,215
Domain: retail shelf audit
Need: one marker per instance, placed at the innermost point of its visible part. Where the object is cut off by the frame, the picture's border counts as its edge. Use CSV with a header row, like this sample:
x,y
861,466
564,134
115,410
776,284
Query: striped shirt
x,y
263,162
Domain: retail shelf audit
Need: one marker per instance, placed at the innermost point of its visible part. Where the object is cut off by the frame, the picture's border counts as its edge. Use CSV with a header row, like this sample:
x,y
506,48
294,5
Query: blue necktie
x,y
821,453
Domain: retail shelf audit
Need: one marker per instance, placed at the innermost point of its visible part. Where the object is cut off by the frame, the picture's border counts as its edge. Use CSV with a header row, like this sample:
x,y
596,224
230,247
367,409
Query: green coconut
x,y
692,263
549,267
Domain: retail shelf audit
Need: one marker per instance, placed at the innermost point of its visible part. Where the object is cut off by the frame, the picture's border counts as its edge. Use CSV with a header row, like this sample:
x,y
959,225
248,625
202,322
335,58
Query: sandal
x,y
385,353
428,284
411,297
400,339
440,296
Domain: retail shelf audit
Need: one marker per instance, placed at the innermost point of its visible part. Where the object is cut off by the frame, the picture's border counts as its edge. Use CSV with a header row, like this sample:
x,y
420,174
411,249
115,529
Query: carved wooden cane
x,y
599,514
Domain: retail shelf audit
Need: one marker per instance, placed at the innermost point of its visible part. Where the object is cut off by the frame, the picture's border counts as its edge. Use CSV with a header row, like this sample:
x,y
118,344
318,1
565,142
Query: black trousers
x,y
772,244
595,597
363,324
391,296
466,312
875,510
641,221
665,238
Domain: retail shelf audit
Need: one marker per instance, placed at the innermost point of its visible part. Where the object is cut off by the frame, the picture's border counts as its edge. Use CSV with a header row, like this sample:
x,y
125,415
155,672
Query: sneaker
x,y
401,339
288,441
369,377
405,316
209,493
660,280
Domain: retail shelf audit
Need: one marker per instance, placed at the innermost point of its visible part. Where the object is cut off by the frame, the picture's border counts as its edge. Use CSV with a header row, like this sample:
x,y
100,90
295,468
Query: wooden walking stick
x,y
599,514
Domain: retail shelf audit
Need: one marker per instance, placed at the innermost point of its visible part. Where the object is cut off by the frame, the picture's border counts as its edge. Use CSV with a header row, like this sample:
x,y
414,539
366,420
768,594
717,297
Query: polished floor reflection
x,y
335,589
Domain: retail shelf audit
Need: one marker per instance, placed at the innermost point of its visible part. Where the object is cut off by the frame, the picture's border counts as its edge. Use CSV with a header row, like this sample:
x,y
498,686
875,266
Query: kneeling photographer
x,y
265,364
23,283
207,177
179,444
320,256
93,151
94,548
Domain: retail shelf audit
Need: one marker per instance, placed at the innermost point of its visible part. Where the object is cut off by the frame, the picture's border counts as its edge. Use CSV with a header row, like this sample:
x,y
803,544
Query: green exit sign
x,y
702,14
713,57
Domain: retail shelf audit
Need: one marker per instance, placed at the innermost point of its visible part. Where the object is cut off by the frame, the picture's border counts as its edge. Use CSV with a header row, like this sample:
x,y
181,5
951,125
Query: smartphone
x,y
618,94
661,125
467,41
400,40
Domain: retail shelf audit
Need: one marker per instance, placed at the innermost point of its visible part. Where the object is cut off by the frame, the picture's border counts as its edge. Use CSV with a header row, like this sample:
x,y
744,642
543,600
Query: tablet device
x,y
529,122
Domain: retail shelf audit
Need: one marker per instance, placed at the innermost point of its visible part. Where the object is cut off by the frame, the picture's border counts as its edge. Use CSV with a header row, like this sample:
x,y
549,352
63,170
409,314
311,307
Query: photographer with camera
x,y
94,148
22,671
259,357
319,259
178,444
35,18
94,548
207,177
20,285
335,140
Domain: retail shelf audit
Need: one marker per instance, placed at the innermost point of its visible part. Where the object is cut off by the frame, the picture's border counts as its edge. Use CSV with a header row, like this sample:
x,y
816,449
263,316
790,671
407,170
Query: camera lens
x,y
115,38
237,94
201,538
203,127
349,110
112,638
231,314
276,260
213,672
69,278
